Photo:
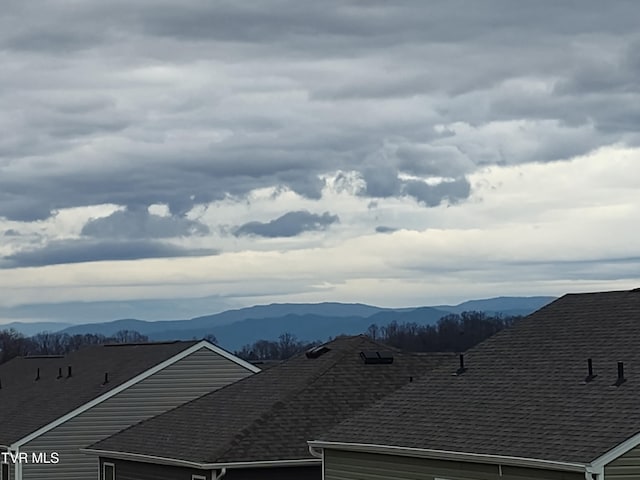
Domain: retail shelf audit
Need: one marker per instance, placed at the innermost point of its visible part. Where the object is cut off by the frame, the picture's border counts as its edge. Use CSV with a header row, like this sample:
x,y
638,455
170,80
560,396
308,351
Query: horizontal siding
x,y
193,376
275,473
147,471
340,465
127,470
625,467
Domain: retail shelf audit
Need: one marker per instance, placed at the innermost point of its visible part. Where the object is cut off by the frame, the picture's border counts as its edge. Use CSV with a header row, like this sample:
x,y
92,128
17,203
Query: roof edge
x,y
450,455
617,451
132,381
138,457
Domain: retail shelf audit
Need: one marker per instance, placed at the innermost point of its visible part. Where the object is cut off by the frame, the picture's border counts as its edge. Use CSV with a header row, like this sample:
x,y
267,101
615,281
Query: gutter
x,y
449,455
223,466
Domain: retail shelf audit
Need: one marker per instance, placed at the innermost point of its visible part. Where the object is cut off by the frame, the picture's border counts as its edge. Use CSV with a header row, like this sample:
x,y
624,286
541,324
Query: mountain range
x,y
307,321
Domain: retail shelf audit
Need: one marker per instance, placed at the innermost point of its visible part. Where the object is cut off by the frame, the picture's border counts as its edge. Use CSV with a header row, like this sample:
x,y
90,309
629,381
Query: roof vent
x,y
106,378
462,368
315,352
69,372
37,374
621,378
590,376
40,357
376,358
141,344
59,373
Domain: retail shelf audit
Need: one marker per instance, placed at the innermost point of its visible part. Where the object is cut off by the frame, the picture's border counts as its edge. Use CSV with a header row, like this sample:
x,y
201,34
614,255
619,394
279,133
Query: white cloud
x,y
538,229
208,117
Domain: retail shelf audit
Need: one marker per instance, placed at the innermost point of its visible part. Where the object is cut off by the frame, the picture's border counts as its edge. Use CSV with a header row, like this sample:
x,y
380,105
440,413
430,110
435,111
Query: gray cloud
x,y
434,195
153,102
290,224
384,229
140,224
78,251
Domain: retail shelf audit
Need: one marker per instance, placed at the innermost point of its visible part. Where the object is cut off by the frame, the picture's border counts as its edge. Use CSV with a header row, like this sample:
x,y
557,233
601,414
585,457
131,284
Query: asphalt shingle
x,y
27,405
523,393
271,415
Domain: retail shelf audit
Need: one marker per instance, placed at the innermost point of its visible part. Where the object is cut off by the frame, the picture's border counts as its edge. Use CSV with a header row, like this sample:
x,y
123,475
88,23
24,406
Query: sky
x,y
163,159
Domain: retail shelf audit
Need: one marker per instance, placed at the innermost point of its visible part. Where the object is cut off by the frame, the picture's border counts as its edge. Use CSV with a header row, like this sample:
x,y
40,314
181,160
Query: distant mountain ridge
x,y
31,328
206,322
501,305
307,321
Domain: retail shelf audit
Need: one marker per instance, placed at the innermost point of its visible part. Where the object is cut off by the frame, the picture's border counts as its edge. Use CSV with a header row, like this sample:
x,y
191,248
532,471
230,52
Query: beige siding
x,y
339,465
193,376
625,467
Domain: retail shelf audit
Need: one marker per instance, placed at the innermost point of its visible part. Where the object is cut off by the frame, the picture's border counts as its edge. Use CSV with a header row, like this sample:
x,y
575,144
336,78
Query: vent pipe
x,y
37,374
106,378
69,372
462,368
59,373
590,374
621,378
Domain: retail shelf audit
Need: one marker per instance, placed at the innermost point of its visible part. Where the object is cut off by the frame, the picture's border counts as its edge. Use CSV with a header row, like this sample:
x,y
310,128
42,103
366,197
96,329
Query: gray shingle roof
x,y
271,415
27,405
523,393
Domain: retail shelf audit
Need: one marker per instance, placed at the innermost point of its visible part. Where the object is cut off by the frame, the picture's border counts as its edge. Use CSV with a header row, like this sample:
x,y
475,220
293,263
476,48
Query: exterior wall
x,y
148,471
126,470
625,467
274,473
341,465
11,471
201,372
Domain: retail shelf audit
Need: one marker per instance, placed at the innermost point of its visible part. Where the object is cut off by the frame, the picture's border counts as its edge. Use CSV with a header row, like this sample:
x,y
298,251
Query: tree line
x,y
14,343
452,333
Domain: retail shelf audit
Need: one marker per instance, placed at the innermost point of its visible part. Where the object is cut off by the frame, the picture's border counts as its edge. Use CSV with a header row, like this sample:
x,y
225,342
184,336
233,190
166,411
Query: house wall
x,y
341,465
275,473
126,470
625,467
201,372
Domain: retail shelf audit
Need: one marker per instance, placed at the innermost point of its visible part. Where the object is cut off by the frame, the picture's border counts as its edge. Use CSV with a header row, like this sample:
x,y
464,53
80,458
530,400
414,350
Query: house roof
x,y
27,404
524,392
271,415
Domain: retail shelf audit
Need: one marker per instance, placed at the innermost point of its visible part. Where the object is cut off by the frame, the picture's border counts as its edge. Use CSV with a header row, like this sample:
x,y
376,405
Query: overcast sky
x,y
393,153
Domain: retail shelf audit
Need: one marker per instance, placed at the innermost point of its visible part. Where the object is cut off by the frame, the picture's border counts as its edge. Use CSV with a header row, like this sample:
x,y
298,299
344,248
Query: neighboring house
x,y
54,405
557,396
258,428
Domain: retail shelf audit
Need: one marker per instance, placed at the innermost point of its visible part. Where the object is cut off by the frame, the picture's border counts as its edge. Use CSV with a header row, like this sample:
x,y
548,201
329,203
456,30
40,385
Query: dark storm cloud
x,y
383,229
138,103
78,251
290,224
140,224
434,195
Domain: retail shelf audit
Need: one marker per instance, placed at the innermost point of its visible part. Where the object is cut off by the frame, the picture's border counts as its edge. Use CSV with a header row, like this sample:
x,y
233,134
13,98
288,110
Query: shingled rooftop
x,y
526,392
38,390
271,415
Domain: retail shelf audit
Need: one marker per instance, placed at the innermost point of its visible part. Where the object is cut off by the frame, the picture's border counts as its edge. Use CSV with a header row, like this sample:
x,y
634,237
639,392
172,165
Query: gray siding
x,y
148,471
625,467
126,470
273,473
193,376
340,465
